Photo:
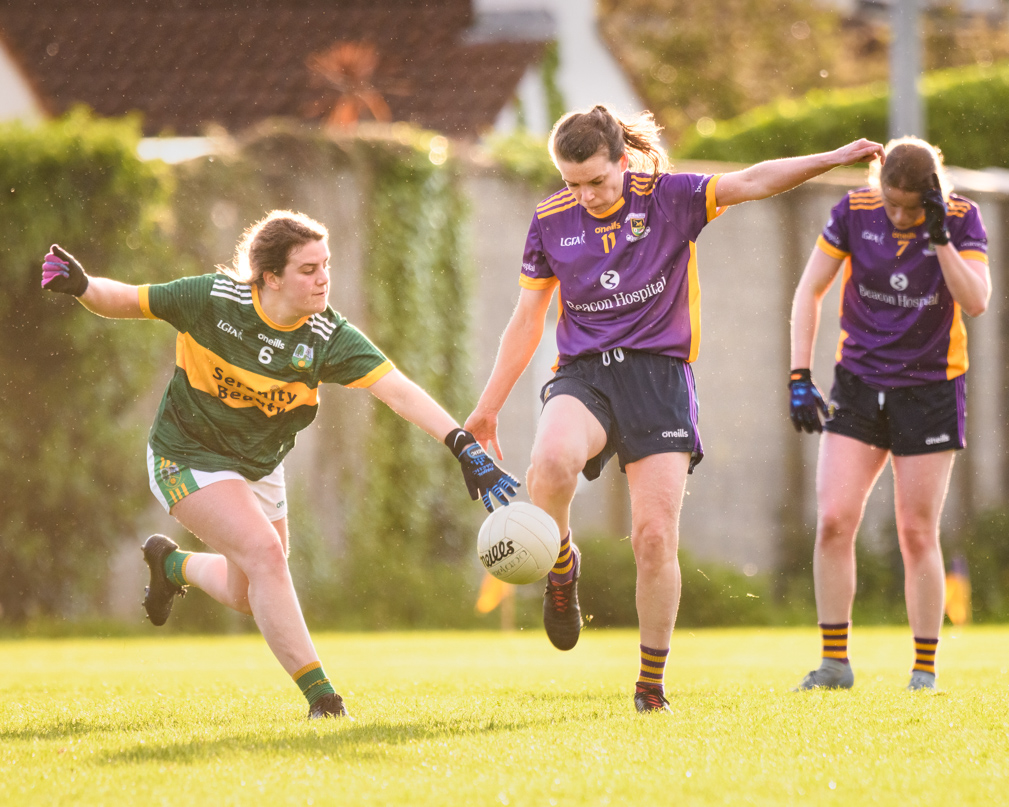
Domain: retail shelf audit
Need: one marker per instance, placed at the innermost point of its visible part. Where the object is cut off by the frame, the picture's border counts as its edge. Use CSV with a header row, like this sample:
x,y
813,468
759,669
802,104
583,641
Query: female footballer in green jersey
x,y
253,346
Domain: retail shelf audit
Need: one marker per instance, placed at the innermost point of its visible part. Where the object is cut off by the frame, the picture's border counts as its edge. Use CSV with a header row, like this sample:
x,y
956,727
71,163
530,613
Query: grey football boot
x,y
832,674
921,680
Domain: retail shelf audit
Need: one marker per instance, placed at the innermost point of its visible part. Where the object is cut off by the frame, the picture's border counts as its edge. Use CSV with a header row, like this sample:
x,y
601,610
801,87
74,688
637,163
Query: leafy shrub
x,y
72,458
964,110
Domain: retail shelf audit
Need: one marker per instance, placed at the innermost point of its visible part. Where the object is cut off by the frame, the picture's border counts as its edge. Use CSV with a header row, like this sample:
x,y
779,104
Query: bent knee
x,y
654,545
553,469
837,526
263,556
918,541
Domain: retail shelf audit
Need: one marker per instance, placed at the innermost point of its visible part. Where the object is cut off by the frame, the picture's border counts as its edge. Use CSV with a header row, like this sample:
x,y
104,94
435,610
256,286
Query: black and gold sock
x,y
924,654
835,641
566,566
653,667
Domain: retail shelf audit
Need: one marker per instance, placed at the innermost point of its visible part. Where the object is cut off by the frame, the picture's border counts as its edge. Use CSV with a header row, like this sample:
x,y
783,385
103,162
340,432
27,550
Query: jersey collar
x,y
265,317
609,212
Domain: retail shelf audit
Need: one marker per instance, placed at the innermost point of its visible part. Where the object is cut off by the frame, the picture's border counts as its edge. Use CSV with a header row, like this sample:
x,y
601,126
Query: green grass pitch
x,y
502,719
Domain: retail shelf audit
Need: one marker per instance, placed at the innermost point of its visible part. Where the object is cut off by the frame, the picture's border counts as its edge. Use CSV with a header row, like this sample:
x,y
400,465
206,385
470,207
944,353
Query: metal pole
x,y
907,116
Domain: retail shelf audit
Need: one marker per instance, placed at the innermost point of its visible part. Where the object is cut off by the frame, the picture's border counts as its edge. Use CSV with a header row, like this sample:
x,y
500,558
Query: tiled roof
x,y
186,64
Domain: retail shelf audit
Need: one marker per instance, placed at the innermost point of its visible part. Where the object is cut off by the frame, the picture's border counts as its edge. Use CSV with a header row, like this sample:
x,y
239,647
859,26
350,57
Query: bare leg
x,y
657,483
226,517
920,486
224,581
568,435
845,473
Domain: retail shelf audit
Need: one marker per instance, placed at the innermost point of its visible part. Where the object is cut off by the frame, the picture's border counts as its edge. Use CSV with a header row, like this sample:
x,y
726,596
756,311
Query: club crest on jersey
x,y
302,359
638,227
170,475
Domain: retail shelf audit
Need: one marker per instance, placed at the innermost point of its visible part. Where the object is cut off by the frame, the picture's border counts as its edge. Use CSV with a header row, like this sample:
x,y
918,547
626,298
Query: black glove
x,y
806,402
935,213
482,476
62,273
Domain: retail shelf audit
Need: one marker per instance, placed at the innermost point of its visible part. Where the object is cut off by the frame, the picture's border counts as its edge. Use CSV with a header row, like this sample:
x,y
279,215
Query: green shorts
x,y
171,482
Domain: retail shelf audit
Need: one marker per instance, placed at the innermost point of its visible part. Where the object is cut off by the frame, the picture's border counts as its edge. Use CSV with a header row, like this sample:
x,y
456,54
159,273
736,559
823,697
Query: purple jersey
x,y
628,278
900,326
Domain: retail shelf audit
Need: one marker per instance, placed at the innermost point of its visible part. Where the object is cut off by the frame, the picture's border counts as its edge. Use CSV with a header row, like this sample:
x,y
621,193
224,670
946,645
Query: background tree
x,y
70,379
696,61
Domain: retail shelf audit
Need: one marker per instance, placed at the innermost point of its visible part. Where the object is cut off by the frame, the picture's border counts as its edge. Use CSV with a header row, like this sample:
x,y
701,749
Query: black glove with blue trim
x,y
806,403
482,475
935,213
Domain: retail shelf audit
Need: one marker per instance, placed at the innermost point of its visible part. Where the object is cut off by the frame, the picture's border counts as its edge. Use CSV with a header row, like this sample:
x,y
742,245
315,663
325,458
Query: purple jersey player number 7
x,y
618,245
912,256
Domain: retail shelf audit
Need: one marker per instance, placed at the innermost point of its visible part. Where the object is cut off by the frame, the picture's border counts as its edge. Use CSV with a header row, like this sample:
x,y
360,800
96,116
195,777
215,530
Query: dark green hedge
x,y
72,456
965,113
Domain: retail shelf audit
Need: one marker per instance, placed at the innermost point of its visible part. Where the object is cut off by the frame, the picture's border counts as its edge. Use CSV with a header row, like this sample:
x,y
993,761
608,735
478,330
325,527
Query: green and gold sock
x,y
175,567
312,681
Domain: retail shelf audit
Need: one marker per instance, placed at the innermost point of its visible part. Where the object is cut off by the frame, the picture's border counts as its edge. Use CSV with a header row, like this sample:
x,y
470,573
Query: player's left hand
x,y
860,151
935,213
483,477
806,403
63,273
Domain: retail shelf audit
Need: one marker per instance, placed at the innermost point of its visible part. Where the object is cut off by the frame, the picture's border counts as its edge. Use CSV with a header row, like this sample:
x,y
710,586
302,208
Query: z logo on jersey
x,y
610,279
898,280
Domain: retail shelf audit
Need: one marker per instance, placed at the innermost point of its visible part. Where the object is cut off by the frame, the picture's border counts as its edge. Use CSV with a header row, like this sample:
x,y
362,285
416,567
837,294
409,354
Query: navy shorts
x,y
923,419
646,403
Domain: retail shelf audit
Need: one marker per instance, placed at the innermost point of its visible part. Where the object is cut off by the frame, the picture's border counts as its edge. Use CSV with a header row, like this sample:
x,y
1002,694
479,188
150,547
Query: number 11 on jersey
x,y
609,242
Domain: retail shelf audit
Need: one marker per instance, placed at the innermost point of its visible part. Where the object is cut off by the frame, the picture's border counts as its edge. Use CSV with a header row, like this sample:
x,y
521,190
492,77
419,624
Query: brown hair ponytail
x,y
579,135
267,244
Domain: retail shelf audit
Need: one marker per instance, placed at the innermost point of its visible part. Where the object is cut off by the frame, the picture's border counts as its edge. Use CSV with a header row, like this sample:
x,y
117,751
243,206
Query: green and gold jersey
x,y
244,386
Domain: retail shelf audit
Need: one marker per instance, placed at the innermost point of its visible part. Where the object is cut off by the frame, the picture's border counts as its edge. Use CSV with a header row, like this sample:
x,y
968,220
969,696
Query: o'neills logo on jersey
x,y
272,341
621,298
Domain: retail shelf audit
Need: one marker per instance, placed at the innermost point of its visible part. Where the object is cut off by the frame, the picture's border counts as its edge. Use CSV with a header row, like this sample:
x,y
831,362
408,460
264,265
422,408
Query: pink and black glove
x,y
62,273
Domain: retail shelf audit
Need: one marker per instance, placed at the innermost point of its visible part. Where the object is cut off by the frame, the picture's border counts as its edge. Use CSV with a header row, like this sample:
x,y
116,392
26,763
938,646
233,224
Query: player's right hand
x,y
482,475
805,402
935,213
63,273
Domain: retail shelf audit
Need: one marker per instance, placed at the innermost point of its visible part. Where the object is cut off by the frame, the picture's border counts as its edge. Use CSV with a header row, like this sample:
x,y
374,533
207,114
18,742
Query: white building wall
x,y
588,75
17,100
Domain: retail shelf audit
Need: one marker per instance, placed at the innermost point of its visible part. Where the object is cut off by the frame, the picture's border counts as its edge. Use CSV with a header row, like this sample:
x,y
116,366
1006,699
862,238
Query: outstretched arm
x,y
62,273
776,176
518,344
408,400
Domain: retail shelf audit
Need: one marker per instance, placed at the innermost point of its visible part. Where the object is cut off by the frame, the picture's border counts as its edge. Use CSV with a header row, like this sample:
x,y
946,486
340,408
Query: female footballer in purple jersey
x,y
621,247
914,257
249,337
